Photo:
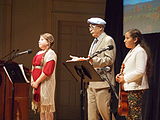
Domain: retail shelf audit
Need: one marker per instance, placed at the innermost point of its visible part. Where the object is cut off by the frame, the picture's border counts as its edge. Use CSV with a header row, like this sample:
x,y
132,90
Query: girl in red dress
x,y
43,78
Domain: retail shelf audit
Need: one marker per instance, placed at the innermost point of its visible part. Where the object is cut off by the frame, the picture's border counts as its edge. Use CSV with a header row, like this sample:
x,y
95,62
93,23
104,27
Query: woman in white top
x,y
137,69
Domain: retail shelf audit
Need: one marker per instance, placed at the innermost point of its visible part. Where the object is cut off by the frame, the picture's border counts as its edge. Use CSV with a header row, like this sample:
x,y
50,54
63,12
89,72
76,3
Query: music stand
x,y
82,71
15,74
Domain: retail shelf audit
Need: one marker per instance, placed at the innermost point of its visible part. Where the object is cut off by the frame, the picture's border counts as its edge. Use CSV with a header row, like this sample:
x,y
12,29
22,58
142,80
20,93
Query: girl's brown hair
x,y
49,37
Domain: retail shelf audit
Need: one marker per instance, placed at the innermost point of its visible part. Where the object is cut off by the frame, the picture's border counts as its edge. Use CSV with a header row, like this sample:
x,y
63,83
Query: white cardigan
x,y
135,69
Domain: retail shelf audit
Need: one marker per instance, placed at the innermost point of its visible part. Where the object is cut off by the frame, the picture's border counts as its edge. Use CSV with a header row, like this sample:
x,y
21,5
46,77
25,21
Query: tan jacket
x,y
103,59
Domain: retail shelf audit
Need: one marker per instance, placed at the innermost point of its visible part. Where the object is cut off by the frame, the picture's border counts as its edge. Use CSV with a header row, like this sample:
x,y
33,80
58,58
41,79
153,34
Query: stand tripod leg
x,y
4,104
12,113
82,99
110,115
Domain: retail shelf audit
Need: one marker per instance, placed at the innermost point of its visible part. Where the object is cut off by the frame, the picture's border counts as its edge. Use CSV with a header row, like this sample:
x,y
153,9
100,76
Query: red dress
x,y
37,70
44,95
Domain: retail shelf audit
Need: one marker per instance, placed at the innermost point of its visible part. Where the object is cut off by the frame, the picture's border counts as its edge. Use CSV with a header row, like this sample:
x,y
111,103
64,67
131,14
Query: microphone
x,y
24,52
106,69
109,47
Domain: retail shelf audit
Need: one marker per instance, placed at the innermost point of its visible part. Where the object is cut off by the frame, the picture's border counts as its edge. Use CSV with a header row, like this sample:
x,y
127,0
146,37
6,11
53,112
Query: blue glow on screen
x,y
133,2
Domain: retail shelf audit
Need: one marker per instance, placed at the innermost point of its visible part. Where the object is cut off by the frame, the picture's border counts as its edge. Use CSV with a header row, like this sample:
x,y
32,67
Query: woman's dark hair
x,y
135,33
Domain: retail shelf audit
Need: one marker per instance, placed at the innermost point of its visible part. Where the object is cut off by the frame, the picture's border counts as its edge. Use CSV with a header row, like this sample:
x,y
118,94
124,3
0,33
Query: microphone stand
x,y
13,92
106,80
8,54
13,86
1,65
111,86
95,54
4,96
98,52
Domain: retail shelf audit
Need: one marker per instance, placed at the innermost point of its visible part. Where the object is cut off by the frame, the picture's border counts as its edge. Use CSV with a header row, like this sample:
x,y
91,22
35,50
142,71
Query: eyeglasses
x,y
93,26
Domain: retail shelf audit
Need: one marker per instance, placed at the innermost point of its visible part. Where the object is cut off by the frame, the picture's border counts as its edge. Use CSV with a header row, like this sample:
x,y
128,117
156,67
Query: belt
x,y
38,67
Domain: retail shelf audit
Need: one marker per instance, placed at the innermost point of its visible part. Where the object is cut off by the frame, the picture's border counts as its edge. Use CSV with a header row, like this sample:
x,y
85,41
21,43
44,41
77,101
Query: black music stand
x,y
15,75
82,71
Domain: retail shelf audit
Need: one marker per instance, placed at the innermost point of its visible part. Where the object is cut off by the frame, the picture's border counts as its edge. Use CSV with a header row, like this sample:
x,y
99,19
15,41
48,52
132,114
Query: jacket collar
x,y
130,53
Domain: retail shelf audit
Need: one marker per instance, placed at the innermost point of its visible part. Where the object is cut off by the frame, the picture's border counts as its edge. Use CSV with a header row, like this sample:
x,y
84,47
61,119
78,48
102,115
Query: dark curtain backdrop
x,y
114,27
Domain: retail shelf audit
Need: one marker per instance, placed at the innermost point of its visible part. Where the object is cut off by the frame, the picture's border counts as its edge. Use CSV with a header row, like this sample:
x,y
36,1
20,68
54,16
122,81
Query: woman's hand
x,y
120,78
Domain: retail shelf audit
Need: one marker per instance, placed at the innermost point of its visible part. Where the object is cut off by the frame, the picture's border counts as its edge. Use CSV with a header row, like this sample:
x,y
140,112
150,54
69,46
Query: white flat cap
x,y
96,20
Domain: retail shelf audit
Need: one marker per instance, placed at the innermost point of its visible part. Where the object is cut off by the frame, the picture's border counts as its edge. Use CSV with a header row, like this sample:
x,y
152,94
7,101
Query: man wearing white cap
x,y
99,92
